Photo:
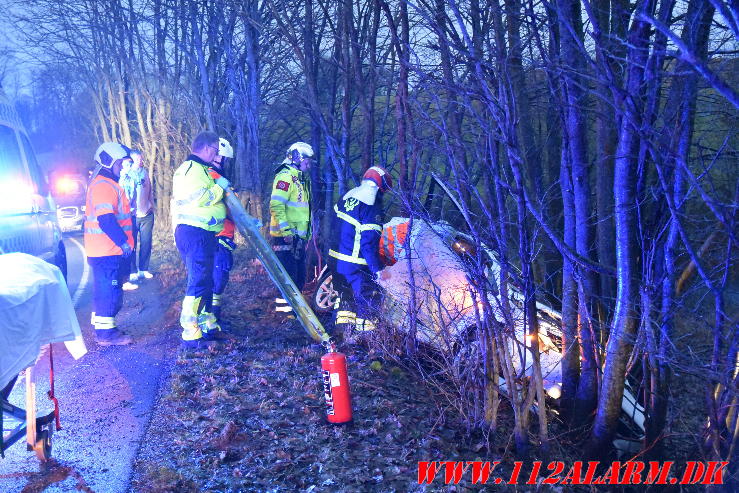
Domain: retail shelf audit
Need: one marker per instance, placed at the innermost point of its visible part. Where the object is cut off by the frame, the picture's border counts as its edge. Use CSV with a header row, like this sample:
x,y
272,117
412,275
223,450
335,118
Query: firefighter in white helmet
x,y
355,250
108,241
290,214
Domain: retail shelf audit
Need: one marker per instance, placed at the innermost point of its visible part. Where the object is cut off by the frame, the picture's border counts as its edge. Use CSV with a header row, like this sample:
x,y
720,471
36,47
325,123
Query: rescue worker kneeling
x,y
358,223
198,213
108,241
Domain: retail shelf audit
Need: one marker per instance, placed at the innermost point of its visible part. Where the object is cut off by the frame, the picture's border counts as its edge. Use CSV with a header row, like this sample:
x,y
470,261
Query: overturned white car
x,y
433,256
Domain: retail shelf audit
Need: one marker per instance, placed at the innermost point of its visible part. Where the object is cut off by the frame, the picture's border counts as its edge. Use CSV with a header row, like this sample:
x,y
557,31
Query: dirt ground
x,y
250,415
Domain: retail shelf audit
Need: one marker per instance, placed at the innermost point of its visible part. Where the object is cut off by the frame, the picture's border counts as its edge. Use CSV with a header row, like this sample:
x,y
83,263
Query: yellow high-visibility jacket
x,y
196,199
289,205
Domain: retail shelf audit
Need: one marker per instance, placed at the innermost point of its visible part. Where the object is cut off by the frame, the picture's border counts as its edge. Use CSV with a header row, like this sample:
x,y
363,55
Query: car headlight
x,y
463,247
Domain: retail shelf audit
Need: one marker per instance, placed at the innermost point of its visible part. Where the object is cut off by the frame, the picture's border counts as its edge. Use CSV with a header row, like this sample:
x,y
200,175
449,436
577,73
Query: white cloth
x,y
35,310
366,192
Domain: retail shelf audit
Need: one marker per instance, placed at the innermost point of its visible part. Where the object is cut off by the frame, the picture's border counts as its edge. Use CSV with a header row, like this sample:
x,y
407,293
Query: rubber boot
x,y
209,327
107,334
112,337
224,324
192,335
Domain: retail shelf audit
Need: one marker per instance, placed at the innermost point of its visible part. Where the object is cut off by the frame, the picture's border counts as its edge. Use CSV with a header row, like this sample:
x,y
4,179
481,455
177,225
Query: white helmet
x,y
298,149
224,148
110,152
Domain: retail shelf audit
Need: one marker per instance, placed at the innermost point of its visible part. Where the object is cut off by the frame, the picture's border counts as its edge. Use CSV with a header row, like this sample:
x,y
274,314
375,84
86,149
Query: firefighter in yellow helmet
x,y
198,213
290,214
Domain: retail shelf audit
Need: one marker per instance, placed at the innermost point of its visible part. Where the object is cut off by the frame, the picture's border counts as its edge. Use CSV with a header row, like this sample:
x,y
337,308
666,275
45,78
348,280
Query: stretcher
x,y
36,311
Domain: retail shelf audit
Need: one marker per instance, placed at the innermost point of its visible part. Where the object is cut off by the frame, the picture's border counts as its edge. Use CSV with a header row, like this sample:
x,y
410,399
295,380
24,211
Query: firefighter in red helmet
x,y
355,252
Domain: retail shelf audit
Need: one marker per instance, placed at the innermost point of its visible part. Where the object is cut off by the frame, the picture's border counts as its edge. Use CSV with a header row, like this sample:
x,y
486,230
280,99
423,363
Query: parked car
x,y
69,191
28,217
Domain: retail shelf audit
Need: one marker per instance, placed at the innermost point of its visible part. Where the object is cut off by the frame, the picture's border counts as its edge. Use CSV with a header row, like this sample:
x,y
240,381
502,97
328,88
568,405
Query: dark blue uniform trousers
x,y
222,265
197,249
108,275
364,297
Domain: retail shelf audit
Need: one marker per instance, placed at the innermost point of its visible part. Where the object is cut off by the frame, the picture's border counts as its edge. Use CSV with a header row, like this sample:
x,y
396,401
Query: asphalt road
x,y
105,398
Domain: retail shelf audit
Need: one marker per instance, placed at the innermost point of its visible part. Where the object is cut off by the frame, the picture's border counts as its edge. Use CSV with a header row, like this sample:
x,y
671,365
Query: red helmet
x,y
382,178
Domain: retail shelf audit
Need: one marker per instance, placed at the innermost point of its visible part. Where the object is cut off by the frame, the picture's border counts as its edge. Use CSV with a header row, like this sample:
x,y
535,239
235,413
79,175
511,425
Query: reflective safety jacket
x,y
289,205
106,196
392,242
196,199
357,227
228,224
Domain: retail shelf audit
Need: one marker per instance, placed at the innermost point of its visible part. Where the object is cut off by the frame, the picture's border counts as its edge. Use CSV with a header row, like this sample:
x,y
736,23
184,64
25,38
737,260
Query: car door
x,y
18,223
44,209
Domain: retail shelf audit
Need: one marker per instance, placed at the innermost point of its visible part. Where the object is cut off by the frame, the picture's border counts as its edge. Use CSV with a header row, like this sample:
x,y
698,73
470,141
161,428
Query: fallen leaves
x,y
250,415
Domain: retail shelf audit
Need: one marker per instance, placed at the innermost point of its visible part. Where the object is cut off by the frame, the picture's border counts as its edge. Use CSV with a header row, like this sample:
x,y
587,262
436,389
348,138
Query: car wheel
x,y
60,259
323,298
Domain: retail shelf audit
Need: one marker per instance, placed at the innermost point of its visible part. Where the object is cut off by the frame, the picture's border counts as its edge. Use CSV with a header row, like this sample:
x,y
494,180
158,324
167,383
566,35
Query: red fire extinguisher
x,y
336,387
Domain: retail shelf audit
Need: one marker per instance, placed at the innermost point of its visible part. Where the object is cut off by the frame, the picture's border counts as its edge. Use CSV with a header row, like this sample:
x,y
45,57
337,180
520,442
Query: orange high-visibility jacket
x,y
105,196
392,241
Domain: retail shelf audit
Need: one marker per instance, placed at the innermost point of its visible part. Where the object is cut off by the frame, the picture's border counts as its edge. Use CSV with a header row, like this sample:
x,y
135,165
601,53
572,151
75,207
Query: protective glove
x,y
227,243
223,182
127,250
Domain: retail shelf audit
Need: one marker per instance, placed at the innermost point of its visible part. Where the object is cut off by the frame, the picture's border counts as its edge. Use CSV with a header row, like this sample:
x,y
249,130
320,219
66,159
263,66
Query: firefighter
x,y
355,252
290,215
198,213
108,241
225,245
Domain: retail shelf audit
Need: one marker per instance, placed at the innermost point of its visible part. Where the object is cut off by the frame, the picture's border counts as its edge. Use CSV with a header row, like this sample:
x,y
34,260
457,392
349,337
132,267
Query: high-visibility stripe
x,y
216,299
358,229
189,217
104,323
345,320
193,197
103,206
347,258
365,325
281,248
283,308
290,203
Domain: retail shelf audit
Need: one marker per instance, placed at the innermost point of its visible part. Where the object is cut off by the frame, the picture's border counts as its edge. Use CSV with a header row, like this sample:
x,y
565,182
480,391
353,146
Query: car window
x,y
37,175
15,189
11,167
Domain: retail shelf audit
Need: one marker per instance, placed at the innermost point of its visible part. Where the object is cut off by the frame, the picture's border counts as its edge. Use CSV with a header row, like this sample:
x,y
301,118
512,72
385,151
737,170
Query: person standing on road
x,y
223,261
355,251
137,185
198,213
108,241
290,212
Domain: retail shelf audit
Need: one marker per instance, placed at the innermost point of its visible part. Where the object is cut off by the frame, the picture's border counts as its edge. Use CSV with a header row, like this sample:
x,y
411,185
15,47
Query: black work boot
x,y
198,344
112,337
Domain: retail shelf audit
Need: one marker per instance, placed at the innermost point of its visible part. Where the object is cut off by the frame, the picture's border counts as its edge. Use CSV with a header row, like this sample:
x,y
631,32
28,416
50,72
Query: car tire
x,y
60,259
324,295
